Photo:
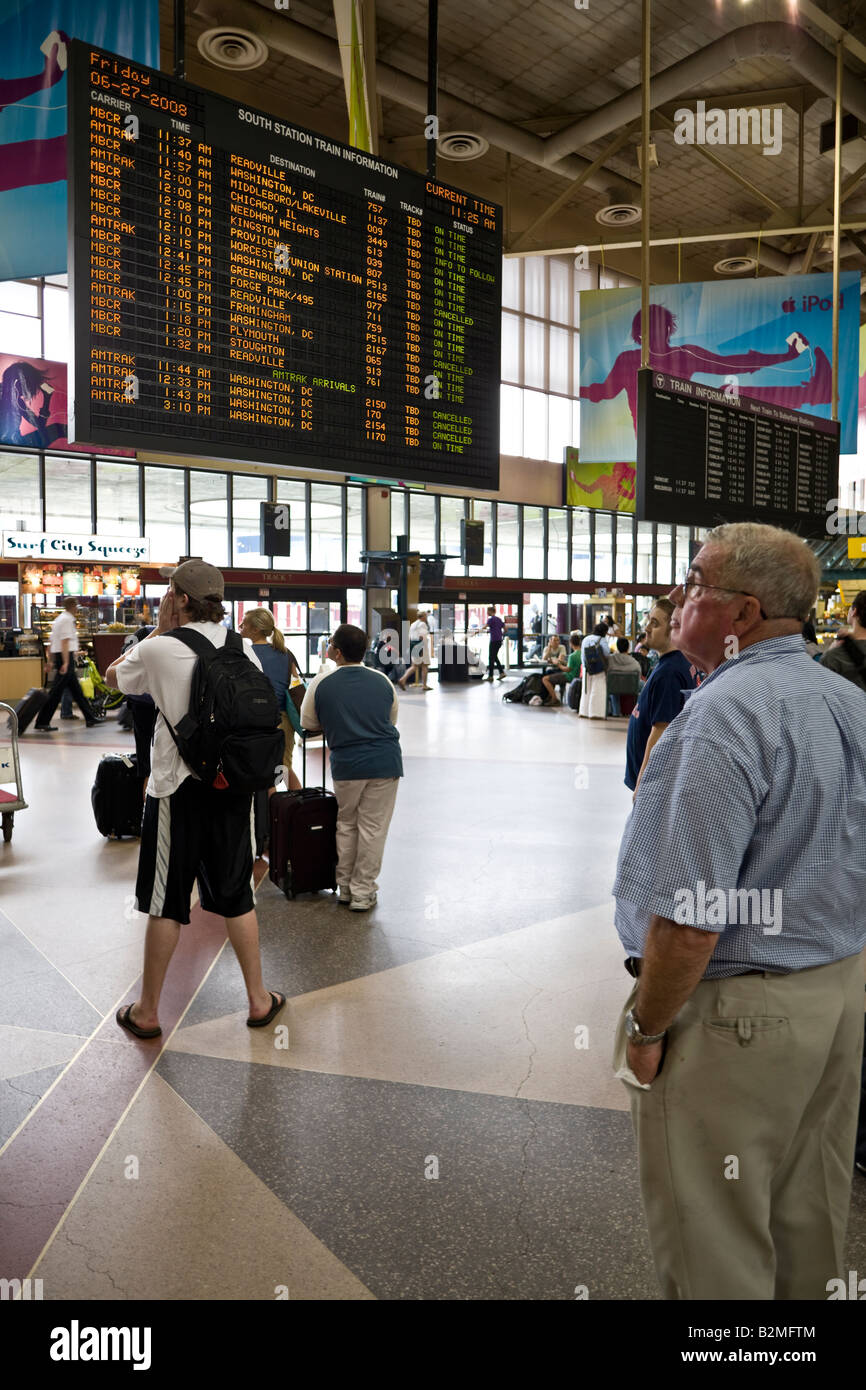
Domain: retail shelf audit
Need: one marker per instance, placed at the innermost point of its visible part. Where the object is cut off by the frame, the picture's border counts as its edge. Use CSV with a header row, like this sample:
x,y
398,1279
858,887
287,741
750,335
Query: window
x,y
164,516
354,530
510,367
558,427
580,556
603,548
557,544
208,516
510,283
534,373
533,543
624,549
483,511
67,495
682,561
664,554
534,425
511,420
644,573
507,548
117,499
295,493
248,494
534,268
55,311
422,523
326,526
452,512
20,498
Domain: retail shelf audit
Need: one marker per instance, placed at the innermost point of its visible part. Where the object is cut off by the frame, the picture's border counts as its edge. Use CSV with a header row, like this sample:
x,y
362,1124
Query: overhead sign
x,y
247,289
705,458
857,547
31,545
768,339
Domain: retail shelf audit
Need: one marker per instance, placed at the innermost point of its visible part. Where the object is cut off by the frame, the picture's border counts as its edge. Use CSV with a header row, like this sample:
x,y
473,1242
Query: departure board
x,y
247,289
705,457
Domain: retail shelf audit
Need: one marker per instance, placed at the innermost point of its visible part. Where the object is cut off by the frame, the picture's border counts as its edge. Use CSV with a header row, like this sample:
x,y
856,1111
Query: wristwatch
x,y
634,1034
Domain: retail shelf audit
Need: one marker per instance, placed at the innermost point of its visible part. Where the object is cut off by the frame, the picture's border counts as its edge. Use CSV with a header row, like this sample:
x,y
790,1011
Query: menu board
x,y
707,457
245,288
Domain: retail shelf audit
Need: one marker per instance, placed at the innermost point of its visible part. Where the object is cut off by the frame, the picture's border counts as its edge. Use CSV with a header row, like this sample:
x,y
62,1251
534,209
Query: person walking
x,y
280,667
419,654
62,648
739,904
496,628
190,831
356,708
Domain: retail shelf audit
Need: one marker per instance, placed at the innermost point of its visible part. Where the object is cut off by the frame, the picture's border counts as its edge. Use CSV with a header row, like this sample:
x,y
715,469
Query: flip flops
x,y
279,1003
123,1018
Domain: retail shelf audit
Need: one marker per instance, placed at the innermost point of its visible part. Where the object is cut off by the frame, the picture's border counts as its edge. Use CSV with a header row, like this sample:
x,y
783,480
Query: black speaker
x,y
275,529
472,542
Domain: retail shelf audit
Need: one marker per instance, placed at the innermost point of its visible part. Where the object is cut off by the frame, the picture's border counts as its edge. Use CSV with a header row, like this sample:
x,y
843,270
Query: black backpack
x,y
514,696
231,735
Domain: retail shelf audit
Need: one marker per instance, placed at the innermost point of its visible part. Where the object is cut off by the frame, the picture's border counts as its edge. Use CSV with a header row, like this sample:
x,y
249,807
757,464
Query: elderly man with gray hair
x,y
739,902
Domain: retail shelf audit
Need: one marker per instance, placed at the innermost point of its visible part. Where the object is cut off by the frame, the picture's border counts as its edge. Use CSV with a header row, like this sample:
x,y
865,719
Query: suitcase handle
x,y
304,758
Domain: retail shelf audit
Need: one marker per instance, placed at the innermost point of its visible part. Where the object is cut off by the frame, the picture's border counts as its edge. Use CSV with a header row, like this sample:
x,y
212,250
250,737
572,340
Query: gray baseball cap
x,y
197,578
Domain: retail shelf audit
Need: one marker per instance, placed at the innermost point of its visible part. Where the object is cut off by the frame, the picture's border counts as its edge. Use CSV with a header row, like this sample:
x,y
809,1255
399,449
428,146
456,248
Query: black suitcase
x,y
116,797
453,664
28,708
303,838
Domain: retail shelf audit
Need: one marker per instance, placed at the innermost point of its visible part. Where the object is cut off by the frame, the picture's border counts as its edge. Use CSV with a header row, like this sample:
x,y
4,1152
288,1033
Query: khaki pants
x,y
364,810
760,1079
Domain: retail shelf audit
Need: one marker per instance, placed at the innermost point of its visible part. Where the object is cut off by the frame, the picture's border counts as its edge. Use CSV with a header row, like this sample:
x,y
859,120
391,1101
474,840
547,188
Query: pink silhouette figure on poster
x,y
687,359
26,162
616,487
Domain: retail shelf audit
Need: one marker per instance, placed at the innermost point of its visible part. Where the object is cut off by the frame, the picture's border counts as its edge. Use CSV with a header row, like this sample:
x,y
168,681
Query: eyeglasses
x,y
693,584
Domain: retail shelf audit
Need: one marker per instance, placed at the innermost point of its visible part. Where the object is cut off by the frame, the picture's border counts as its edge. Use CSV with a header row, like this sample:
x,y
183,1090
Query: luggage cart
x,y
10,771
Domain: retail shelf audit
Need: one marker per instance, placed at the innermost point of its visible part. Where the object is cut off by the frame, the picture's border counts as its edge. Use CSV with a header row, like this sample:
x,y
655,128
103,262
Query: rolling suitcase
x,y
303,837
116,797
28,708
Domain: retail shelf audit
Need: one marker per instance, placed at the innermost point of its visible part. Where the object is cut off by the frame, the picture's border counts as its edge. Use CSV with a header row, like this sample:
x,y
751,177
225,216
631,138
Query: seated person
x,y
572,670
554,661
621,661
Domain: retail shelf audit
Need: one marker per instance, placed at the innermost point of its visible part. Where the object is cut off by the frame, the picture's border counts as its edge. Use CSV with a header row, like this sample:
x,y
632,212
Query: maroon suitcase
x,y
303,838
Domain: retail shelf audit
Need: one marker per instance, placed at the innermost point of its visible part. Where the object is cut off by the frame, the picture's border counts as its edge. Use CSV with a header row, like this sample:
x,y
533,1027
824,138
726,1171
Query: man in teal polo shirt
x,y
356,707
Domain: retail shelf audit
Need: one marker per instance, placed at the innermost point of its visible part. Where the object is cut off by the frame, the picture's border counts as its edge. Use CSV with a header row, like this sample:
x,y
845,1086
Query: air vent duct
x,y
236,49
462,144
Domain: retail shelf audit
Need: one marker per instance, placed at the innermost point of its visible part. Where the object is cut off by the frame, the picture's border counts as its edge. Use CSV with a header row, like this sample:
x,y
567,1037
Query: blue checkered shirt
x,y
758,784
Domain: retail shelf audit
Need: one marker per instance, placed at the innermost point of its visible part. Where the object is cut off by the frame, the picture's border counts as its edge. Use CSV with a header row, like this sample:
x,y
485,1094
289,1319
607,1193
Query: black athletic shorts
x,y
196,833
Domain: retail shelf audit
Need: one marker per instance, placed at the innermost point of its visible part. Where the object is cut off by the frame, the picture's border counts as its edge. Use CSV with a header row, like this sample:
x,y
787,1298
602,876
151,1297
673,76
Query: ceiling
x,y
520,73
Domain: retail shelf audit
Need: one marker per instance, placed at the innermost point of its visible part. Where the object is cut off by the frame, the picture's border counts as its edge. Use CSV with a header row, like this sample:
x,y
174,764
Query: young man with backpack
x,y
217,737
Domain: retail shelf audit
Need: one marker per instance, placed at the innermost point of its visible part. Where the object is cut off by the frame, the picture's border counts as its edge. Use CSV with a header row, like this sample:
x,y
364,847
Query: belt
x,y
633,966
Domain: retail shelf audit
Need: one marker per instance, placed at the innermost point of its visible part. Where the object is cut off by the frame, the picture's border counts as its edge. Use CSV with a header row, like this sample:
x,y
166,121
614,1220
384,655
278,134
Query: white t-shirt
x,y
419,643
163,667
61,629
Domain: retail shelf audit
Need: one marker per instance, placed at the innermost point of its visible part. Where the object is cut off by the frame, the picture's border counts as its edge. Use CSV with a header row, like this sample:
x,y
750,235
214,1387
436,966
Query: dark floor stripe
x,y
46,1162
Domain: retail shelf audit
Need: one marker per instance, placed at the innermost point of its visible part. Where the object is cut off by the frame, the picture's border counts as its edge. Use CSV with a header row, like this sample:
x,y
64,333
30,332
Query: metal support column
x,y
645,190
180,39
837,216
432,85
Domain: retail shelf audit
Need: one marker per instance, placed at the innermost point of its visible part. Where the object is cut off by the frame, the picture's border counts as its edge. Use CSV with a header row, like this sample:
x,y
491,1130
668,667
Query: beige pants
x,y
364,810
746,1137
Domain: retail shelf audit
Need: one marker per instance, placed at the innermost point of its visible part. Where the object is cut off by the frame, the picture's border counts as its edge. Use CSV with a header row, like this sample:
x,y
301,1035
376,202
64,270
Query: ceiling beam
x,y
766,96
690,238
568,193
727,169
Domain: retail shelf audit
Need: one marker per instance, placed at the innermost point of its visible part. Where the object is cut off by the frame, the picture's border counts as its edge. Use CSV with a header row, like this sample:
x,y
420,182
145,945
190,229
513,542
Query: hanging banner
x,y
33,405
607,486
33,56
769,338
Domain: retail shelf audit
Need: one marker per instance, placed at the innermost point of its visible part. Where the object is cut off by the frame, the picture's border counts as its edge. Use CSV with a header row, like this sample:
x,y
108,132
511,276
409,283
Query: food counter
x,y
17,675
